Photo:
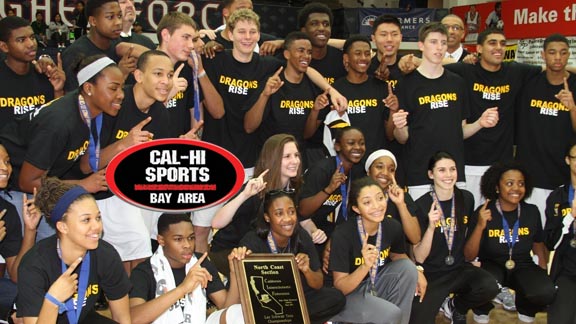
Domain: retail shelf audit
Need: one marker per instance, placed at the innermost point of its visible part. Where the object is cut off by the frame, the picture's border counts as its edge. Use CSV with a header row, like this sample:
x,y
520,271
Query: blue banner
x,y
410,20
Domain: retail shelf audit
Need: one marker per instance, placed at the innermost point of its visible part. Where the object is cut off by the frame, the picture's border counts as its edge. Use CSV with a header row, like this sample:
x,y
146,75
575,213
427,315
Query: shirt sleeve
x,y
33,283
141,278
340,253
10,246
113,278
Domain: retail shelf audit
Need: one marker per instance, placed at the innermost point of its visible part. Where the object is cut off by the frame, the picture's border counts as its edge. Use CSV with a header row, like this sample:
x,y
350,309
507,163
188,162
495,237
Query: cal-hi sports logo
x,y
175,175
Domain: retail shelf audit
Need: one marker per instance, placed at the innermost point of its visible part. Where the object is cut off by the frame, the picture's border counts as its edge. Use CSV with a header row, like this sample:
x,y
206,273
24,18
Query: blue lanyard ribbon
x,y
510,239
274,246
570,195
73,313
343,192
361,233
94,143
448,225
195,59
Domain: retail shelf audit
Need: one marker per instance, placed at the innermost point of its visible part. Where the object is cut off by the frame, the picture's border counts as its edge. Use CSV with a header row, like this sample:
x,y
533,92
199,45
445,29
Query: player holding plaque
x,y
172,286
369,262
443,217
278,231
505,230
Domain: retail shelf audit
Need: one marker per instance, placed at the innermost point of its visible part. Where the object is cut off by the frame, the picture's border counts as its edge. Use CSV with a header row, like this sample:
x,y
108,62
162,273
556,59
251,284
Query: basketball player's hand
x,y
196,276
30,213
270,47
391,101
127,63
178,84
565,96
489,117
66,284
273,84
484,215
433,216
321,100
382,72
95,182
400,119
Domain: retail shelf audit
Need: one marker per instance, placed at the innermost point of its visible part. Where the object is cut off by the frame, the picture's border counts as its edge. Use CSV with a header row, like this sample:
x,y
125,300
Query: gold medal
x,y
510,264
573,243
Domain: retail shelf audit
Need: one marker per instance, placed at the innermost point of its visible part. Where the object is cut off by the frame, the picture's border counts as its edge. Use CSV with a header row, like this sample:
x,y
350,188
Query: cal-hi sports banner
x,y
410,20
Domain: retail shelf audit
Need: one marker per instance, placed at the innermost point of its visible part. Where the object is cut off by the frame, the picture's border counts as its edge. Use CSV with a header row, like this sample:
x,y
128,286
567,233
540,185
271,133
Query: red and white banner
x,y
532,19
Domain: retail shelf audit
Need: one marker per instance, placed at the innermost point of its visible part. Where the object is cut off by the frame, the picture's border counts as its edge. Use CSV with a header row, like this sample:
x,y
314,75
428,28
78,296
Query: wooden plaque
x,y
270,289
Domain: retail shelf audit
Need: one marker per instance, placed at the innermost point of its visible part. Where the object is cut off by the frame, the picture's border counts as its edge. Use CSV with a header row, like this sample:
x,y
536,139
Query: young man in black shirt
x,y
172,286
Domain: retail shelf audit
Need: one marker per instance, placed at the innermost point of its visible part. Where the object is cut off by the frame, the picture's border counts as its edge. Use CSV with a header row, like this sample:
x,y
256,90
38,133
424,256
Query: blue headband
x,y
65,201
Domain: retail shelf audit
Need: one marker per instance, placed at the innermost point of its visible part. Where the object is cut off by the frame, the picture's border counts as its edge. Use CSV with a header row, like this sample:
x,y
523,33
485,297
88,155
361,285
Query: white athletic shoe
x,y
446,308
481,319
525,318
506,298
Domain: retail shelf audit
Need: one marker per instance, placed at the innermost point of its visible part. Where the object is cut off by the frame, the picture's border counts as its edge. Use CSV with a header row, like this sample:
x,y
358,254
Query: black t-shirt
x,y
181,105
129,116
41,267
242,222
492,89
83,47
10,245
331,67
305,245
557,208
53,140
436,110
543,130
493,244
395,73
392,210
21,94
287,110
144,283
139,39
317,178
346,245
366,110
393,146
435,262
236,82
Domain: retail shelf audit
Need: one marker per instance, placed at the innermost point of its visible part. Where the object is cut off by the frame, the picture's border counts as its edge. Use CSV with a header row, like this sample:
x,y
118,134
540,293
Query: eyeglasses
x,y
454,27
272,193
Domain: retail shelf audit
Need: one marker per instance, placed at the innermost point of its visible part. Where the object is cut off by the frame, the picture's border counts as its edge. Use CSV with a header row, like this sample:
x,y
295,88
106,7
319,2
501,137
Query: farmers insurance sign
x,y
531,19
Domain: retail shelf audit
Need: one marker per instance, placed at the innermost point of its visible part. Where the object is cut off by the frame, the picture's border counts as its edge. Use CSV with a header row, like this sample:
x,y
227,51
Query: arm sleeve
x,y
309,248
112,277
11,244
398,245
340,252
216,284
553,228
142,281
33,283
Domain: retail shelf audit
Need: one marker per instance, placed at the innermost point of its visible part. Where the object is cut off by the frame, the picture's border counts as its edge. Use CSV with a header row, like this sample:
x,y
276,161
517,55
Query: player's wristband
x,y
53,300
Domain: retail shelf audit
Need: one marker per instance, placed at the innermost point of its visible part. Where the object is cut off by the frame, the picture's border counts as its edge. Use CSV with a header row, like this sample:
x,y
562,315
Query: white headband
x,y
93,68
376,155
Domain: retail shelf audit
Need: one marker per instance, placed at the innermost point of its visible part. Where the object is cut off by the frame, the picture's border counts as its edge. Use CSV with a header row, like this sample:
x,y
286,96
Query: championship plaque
x,y
270,289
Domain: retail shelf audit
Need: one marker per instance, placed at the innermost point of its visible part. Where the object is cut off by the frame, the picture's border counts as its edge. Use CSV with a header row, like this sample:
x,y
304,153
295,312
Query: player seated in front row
x,y
172,286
